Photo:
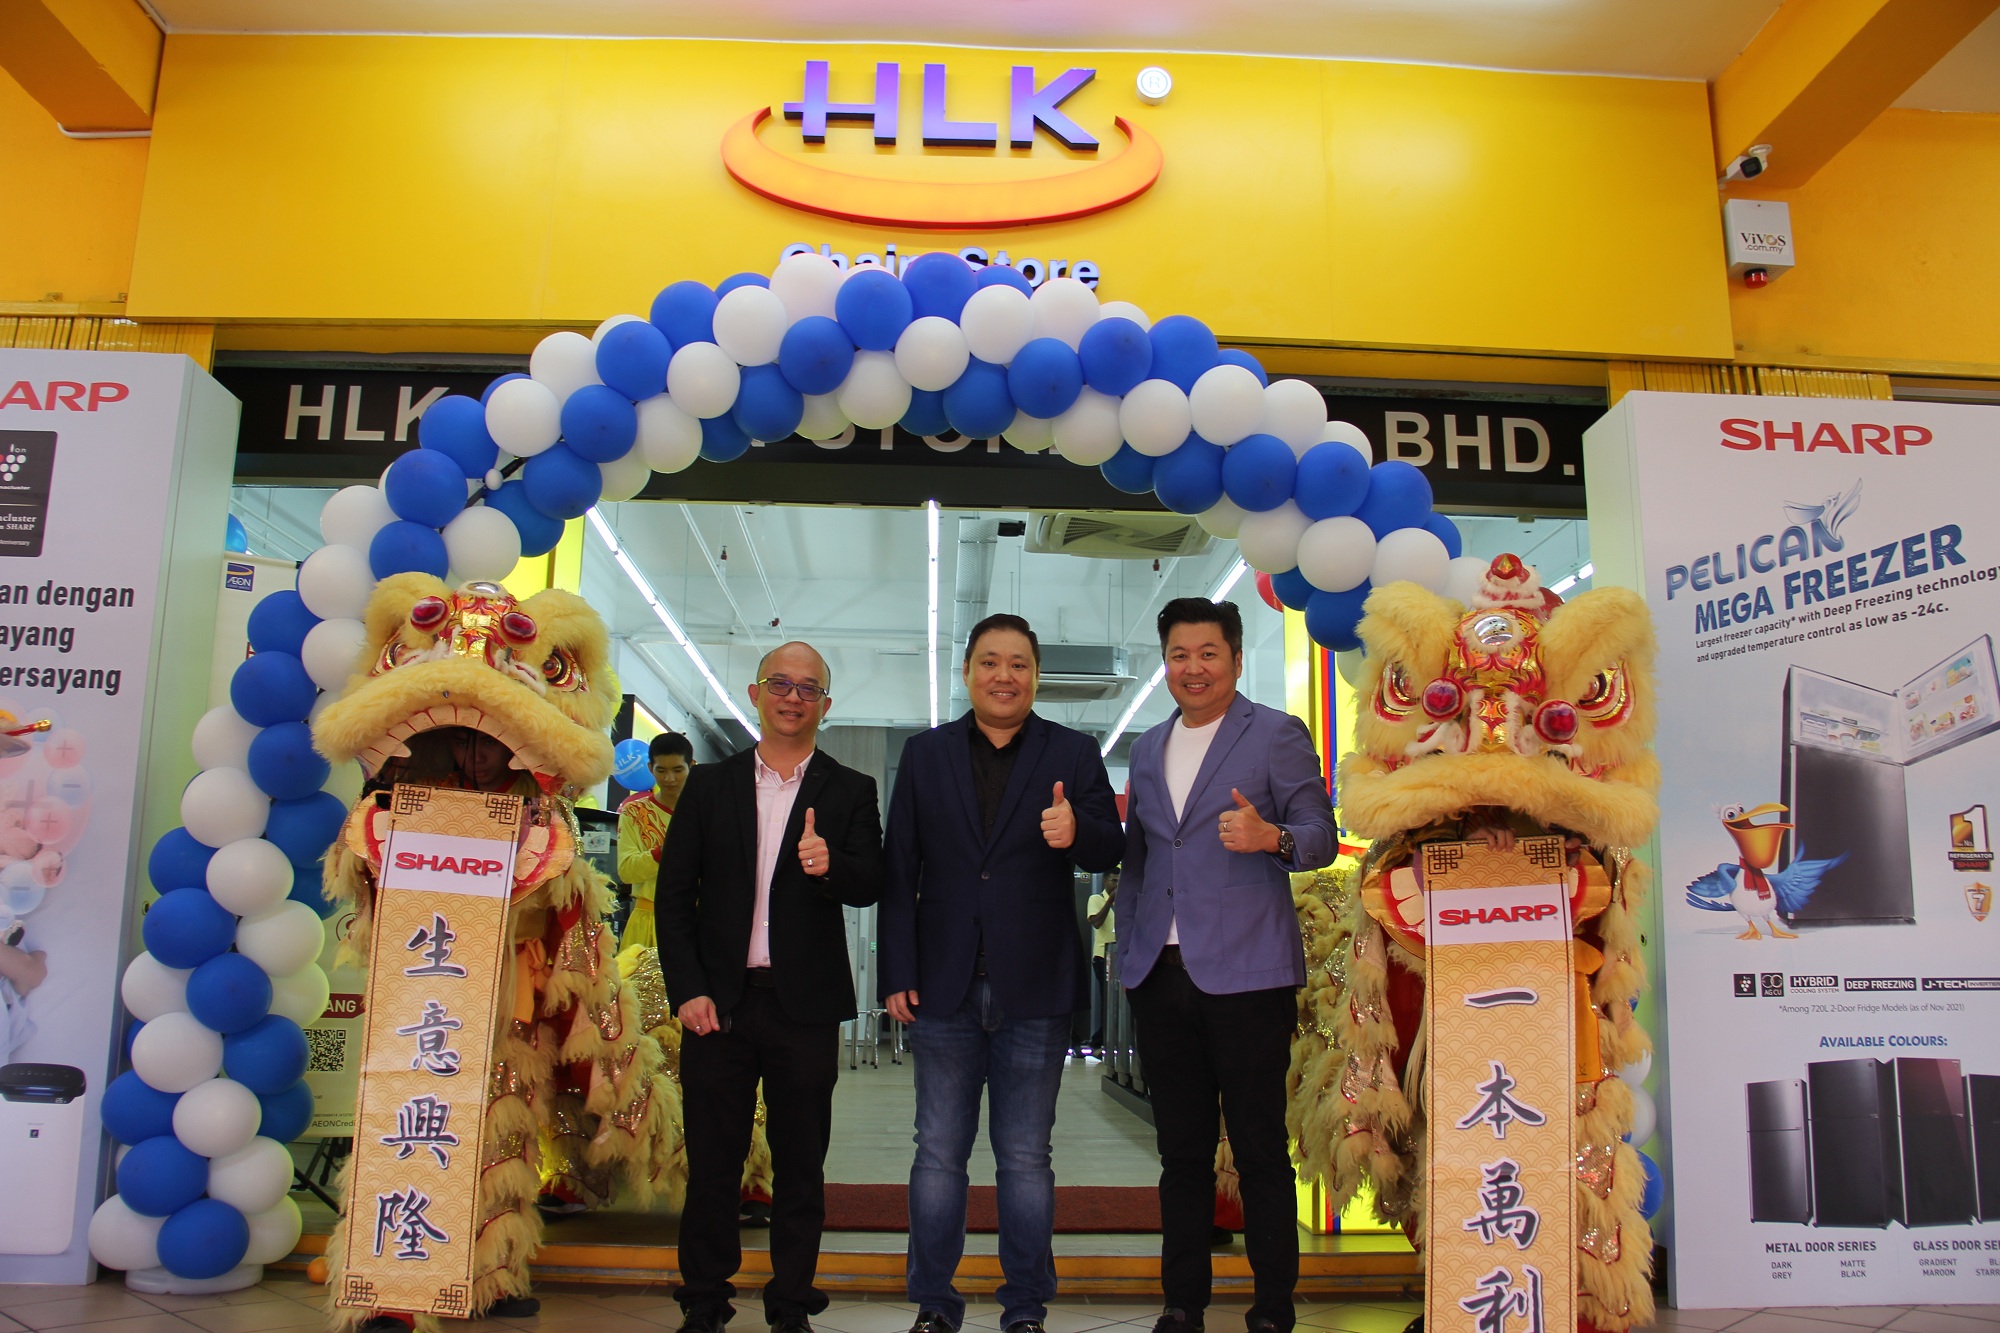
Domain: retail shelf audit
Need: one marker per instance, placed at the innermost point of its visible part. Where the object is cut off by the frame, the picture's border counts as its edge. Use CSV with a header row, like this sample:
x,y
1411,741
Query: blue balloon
x,y
816,355
266,1057
1129,470
1332,481
632,758
1399,496
235,537
287,1114
767,406
229,993
280,623
1045,377
269,688
735,280
1233,357
978,406
1655,1195
187,927
284,764
722,440
1116,355
926,415
178,861
685,312
455,426
402,547
940,283
1189,480
303,830
632,358
486,393
1008,274
1447,532
308,888
874,307
1183,351
599,423
203,1240
539,532
1331,617
161,1175
133,1110
1293,589
561,482
425,486
1258,472
125,1042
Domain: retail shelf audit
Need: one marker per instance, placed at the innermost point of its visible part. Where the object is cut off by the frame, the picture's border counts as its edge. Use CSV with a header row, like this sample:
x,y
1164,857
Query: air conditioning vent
x,y
1075,673
1117,536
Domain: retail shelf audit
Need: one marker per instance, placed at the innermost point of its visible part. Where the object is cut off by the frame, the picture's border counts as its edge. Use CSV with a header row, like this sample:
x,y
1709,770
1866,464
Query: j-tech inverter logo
x,y
904,190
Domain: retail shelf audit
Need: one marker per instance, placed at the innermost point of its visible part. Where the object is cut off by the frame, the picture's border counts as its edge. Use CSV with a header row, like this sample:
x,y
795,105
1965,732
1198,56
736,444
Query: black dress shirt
x,y
991,767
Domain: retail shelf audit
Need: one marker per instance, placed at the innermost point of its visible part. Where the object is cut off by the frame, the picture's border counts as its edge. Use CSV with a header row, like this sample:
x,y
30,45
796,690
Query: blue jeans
x,y
1019,1062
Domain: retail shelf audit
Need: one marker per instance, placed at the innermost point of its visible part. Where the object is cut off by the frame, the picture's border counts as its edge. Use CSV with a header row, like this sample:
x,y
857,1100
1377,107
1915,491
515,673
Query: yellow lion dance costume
x,y
1521,714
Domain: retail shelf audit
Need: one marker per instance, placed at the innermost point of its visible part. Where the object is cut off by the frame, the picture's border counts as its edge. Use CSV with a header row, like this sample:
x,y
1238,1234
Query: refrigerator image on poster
x,y
1847,749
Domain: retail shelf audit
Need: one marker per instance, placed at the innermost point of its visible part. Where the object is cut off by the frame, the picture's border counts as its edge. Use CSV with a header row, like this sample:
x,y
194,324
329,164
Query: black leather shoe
x,y
930,1321
1415,1325
514,1307
1219,1237
1026,1326
1260,1324
754,1213
701,1321
1174,1320
791,1323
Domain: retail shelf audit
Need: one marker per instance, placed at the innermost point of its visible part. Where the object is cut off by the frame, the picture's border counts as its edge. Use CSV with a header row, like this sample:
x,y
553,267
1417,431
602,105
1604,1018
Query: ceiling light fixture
x,y
1221,590
1566,584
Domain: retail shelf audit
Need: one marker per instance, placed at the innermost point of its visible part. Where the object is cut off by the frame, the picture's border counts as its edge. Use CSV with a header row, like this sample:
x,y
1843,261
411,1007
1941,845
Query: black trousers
x,y
1208,1057
798,1063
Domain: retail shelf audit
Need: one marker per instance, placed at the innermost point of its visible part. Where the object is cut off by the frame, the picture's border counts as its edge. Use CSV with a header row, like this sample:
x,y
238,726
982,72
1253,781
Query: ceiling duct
x,y
1078,673
1117,536
977,538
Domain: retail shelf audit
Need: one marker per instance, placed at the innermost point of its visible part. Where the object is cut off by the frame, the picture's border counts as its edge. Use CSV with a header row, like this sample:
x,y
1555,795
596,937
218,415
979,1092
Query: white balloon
x,y
1349,434
749,325
481,544
332,648
670,439
998,321
702,380
151,988
1270,540
1462,583
249,876
1637,1072
302,996
623,478
1222,519
1029,434
823,419
222,805
1645,1115
252,1179
1350,665
1295,412
353,515
1413,554
1063,308
524,417
931,353
222,739
175,1052
806,284
611,324
1089,432
345,781
1155,418
1124,310
564,362
1225,404
335,582
123,1239
283,939
874,394
217,1118
1336,554
274,1233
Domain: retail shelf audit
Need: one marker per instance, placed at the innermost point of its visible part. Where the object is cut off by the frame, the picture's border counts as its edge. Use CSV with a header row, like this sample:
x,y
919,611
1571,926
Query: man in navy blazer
x,y
982,956
1227,798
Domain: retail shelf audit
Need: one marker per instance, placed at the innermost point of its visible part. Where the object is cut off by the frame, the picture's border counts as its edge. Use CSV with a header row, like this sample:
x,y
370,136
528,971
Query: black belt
x,y
1171,956
759,977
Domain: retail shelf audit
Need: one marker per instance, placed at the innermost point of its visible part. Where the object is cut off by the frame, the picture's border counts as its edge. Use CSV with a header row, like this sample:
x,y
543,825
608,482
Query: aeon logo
x,y
1003,199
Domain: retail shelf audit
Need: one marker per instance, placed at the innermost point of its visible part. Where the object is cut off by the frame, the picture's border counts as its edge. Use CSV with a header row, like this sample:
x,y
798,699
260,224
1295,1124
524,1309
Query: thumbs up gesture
x,y
1059,821
1244,830
812,849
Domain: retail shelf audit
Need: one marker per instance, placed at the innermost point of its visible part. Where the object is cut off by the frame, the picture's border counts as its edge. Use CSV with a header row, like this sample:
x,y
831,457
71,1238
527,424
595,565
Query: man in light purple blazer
x,y
1227,798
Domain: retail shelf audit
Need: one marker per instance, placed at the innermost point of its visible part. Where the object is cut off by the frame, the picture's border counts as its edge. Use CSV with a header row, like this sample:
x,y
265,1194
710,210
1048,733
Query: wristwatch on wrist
x,y
1285,844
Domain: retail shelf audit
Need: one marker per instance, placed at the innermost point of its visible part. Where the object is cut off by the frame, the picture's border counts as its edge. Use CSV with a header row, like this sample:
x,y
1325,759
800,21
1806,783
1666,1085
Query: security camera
x,y
1749,166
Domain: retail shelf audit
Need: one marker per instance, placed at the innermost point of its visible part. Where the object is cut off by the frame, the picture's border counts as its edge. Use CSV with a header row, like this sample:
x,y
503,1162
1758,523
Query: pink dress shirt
x,y
775,797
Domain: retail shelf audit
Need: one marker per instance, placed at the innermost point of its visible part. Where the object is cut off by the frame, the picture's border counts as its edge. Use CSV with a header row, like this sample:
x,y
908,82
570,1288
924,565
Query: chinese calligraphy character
x,y
1498,1300
403,1215
423,1122
432,1031
1503,1204
1500,1108
436,944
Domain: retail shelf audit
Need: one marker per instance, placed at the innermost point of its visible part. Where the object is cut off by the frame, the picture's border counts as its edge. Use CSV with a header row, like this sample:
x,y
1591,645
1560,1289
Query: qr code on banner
x,y
328,1049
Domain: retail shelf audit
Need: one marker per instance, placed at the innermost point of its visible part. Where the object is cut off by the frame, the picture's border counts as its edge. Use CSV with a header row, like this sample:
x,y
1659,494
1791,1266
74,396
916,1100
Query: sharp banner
x,y
1822,575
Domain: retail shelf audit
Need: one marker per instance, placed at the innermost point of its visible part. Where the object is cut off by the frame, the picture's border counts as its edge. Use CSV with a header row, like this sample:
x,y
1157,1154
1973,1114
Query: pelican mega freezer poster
x,y
1822,575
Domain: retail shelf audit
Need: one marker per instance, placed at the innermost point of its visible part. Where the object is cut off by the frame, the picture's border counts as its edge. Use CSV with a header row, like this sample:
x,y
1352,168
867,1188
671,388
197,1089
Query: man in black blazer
x,y
764,848
981,955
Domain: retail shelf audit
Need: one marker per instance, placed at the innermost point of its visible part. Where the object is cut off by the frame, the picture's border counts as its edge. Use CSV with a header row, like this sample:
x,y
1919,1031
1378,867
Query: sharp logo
x,y
1863,437
448,865
68,395
1491,916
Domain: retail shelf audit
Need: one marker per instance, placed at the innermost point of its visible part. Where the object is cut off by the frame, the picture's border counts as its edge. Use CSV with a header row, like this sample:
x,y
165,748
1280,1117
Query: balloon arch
x,y
230,975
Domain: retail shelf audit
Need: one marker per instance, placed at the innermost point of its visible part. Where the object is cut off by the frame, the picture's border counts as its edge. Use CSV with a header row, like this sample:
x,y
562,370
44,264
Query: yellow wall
x,y
72,212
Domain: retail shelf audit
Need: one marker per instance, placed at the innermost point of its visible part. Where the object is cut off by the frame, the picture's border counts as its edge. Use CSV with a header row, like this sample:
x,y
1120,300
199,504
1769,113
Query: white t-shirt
x,y
1186,748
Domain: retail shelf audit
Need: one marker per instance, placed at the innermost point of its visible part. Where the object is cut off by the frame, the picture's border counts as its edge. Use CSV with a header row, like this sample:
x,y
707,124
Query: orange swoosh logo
x,y
957,204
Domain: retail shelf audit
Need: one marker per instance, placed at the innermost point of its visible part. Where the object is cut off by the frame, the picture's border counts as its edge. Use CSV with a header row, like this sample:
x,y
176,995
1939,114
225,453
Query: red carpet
x,y
1079,1208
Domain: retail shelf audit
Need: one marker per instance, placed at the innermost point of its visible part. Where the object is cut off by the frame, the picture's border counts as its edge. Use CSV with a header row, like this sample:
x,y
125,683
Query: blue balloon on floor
x,y
561,483
978,406
266,1057
404,547
599,422
1331,617
269,688
1332,480
1129,470
874,307
304,829
161,1176
1044,377
203,1240
926,415
455,426
1183,351
722,440
229,993
1116,355
685,312
1399,496
632,358
1293,589
284,764
287,1114
1189,480
767,406
539,532
940,283
1258,471
133,1110
816,355
280,623
178,861
425,486
187,927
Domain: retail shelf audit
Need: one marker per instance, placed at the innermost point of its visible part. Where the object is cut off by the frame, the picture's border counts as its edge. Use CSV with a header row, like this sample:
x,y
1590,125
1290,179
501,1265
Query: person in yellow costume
x,y
642,831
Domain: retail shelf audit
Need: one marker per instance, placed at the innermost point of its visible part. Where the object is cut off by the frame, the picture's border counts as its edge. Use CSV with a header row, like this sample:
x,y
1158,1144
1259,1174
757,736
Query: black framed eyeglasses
x,y
784,689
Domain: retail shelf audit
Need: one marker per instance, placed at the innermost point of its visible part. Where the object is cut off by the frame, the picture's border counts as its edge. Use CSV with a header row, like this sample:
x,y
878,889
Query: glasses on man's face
x,y
784,689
